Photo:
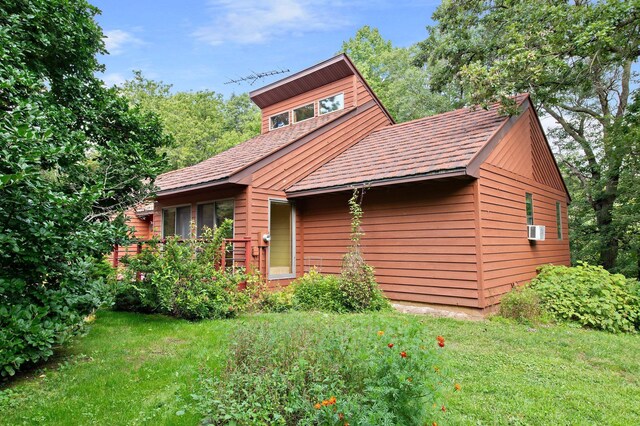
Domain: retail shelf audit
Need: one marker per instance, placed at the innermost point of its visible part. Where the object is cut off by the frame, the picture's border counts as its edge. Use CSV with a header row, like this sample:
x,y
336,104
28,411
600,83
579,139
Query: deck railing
x,y
234,252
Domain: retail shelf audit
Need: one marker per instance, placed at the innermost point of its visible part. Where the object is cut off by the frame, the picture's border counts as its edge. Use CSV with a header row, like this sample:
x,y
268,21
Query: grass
x,y
138,369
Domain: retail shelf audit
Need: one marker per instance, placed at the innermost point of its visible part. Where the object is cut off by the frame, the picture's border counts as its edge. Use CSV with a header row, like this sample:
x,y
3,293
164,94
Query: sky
x,y
201,44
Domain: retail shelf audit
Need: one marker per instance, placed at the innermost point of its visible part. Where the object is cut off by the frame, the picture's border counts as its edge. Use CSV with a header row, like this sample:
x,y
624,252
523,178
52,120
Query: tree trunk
x,y
608,239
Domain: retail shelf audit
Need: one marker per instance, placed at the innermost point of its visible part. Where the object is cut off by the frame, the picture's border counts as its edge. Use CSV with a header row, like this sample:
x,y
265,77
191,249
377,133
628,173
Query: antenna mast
x,y
255,76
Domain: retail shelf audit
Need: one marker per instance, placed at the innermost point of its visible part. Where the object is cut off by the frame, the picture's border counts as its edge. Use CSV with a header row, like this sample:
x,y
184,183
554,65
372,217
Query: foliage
x,y
521,304
576,59
73,155
182,278
315,291
358,285
402,87
302,371
590,296
202,123
144,369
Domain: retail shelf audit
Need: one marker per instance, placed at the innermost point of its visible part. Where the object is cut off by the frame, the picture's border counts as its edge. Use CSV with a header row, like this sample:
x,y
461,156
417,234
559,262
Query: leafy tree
x,y
576,59
402,87
202,123
73,155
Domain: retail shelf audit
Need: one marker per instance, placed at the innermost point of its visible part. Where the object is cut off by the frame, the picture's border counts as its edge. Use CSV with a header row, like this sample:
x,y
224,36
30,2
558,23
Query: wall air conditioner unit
x,y
536,232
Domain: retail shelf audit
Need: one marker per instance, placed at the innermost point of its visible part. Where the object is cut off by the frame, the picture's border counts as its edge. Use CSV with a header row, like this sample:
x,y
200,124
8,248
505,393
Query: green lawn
x,y
139,369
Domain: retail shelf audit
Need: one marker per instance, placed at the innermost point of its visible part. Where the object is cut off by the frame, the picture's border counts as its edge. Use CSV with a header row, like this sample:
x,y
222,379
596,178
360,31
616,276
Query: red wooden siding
x,y
420,239
142,231
344,85
519,164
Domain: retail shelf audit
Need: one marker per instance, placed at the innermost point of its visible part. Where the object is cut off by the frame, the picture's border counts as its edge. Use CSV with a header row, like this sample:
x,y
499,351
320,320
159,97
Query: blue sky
x,y
200,44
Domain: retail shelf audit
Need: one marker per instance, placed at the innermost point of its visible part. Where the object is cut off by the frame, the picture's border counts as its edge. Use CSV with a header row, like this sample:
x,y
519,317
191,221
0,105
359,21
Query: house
x,y
447,203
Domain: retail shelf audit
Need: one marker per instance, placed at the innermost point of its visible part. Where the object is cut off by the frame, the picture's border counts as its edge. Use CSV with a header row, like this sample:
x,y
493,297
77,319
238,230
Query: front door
x,y
282,245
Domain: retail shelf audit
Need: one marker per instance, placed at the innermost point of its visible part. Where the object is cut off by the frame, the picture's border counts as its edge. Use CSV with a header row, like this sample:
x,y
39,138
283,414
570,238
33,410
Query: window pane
x,y
280,120
529,205
333,103
168,222
224,210
183,221
205,217
559,219
303,113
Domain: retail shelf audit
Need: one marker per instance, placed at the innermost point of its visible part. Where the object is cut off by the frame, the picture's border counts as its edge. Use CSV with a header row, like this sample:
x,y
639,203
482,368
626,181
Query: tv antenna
x,y
255,76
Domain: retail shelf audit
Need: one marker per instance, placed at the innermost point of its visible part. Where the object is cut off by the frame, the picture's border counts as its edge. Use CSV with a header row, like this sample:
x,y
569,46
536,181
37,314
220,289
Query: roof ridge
x,y
464,108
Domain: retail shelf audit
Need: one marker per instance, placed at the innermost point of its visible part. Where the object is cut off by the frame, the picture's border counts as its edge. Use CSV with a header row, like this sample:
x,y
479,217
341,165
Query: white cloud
x,y
117,40
248,22
114,78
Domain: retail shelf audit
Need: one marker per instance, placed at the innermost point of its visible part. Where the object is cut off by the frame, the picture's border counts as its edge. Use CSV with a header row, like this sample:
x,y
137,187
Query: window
x,y
303,113
330,104
211,215
529,207
176,221
279,120
559,219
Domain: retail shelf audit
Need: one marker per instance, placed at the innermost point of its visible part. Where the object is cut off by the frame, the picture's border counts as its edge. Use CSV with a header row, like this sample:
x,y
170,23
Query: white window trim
x,y
327,97
293,241
214,212
281,127
293,114
176,206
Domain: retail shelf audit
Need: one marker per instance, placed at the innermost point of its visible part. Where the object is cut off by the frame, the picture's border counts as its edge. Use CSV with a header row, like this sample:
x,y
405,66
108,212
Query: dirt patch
x,y
435,312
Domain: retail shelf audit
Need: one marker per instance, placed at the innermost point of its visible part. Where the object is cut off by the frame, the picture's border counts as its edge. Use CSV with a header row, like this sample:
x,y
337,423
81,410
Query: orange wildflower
x,y
317,406
325,402
340,416
332,400
390,345
403,354
380,333
444,409
457,386
434,424
440,340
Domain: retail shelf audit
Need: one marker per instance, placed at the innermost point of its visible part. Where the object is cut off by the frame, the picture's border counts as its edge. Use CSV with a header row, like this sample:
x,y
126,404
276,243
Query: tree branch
x,y
624,84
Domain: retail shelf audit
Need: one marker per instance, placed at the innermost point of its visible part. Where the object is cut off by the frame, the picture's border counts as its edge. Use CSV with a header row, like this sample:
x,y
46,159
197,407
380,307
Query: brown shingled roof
x,y
430,146
241,156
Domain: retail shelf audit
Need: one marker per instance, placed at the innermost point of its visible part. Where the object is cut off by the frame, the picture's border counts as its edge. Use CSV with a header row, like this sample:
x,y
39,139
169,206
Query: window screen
x,y
559,219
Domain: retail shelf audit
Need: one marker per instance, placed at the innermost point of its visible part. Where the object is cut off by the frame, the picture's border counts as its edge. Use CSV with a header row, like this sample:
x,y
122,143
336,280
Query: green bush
x,y
276,301
182,279
358,284
314,291
301,371
590,296
521,304
34,321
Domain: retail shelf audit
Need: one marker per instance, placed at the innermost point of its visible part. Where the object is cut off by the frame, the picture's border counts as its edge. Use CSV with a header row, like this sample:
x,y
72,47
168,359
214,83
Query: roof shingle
x,y
240,156
425,146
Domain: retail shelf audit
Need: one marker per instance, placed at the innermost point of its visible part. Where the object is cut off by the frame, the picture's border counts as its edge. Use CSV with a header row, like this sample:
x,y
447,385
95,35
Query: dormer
x,y
329,86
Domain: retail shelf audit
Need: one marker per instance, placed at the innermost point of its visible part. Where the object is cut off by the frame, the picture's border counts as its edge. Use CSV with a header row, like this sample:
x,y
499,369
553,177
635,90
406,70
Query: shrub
x,y
521,304
357,280
34,321
590,296
314,291
300,371
276,301
182,279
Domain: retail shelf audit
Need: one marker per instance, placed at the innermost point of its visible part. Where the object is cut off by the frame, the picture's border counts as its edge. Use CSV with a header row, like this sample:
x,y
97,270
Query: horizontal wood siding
x,y
344,85
420,239
509,258
142,231
299,163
